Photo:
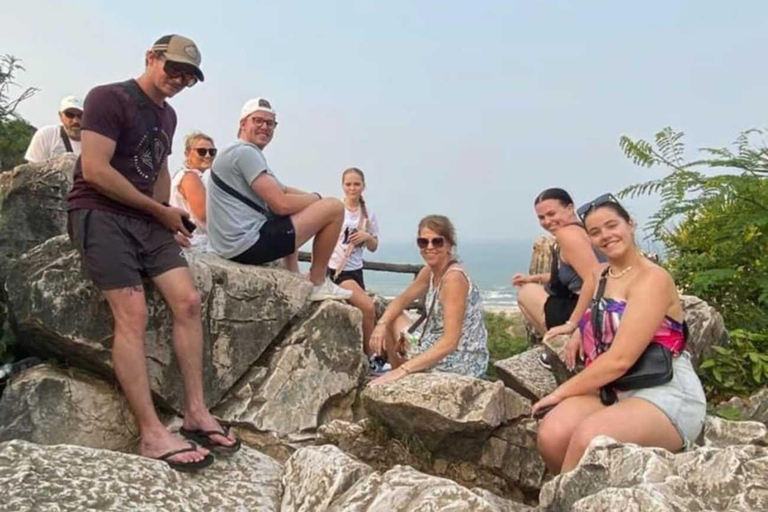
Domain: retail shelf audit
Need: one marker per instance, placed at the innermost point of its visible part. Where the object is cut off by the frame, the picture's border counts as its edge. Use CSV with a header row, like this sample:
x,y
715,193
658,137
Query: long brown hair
x,y
360,173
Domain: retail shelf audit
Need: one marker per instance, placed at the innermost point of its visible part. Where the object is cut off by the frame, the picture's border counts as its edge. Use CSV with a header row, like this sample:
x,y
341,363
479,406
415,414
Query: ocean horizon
x,y
490,264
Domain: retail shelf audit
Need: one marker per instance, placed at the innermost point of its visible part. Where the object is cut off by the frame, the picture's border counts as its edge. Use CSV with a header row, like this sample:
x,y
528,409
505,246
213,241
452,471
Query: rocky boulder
x,y
49,405
511,453
32,205
612,476
448,413
706,328
720,433
753,408
35,478
57,312
318,364
541,256
524,374
320,479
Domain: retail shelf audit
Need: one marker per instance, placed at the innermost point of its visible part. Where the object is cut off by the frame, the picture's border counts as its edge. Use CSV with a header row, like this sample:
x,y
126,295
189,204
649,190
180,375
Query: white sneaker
x,y
328,290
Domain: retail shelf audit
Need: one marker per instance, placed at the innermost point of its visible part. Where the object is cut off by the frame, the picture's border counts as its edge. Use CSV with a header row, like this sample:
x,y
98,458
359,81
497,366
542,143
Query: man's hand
x,y
170,217
182,240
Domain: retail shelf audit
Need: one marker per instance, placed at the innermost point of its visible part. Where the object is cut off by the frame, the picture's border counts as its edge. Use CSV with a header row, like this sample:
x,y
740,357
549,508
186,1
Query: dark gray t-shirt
x,y
232,225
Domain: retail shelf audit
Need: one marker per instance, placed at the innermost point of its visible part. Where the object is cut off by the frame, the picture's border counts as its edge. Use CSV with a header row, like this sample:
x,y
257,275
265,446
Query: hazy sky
x,y
466,109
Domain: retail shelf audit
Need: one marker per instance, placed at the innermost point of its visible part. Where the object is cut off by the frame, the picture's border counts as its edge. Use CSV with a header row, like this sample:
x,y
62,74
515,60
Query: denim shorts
x,y
681,399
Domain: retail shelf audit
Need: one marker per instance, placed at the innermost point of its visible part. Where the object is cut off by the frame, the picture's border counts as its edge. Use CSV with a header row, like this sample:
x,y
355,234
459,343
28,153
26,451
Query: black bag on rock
x,y
652,368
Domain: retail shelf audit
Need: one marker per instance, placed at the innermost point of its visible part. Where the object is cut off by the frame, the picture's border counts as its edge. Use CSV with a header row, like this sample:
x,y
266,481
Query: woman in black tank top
x,y
554,302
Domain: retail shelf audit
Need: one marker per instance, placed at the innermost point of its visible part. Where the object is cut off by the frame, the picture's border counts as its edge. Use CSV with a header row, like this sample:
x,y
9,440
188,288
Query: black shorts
x,y
277,239
348,275
118,251
557,310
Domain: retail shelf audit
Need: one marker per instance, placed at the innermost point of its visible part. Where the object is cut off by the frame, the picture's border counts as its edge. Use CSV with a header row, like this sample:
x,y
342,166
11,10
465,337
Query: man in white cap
x,y
120,222
254,219
57,139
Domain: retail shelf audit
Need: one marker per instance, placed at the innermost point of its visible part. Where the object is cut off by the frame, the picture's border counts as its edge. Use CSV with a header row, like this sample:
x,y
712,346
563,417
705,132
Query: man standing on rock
x,y
57,139
254,219
120,223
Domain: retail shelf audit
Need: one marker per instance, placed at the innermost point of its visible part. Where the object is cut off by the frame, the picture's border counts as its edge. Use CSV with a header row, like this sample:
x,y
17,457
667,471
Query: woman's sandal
x,y
186,467
203,438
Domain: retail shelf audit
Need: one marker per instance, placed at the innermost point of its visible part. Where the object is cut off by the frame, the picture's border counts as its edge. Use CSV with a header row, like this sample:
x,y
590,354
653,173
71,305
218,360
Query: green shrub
x,y
739,368
501,344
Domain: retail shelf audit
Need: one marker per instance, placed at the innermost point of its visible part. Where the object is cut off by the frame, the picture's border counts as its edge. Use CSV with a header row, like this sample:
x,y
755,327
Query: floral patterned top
x,y
471,356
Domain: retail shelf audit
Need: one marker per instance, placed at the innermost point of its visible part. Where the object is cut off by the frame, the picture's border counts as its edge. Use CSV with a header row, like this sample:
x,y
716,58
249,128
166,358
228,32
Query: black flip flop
x,y
203,438
186,467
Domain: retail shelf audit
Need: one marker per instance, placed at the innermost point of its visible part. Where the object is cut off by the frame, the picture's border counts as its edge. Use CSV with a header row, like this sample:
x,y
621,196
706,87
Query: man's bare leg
x,y
291,262
323,220
129,311
178,289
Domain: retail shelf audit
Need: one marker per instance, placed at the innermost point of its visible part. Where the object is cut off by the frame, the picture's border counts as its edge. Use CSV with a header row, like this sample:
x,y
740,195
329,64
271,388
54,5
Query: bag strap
x,y
434,299
237,195
65,139
147,113
597,327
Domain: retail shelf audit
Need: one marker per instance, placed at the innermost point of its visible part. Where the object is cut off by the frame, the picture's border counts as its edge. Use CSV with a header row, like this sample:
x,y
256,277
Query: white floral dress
x,y
471,356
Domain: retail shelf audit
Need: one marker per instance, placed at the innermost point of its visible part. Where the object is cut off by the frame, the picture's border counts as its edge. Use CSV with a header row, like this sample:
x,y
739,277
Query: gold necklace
x,y
620,274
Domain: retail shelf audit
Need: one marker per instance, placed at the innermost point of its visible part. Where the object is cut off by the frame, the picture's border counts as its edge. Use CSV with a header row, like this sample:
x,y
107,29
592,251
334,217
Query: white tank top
x,y
199,238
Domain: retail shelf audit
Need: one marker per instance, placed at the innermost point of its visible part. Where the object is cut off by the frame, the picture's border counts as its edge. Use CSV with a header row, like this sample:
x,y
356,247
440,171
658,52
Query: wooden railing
x,y
397,268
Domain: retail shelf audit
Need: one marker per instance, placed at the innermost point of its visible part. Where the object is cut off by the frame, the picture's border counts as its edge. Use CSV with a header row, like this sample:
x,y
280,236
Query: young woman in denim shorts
x,y
641,306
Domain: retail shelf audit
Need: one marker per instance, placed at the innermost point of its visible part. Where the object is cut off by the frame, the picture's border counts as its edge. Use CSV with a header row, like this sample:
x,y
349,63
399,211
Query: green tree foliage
x,y
715,228
15,132
501,344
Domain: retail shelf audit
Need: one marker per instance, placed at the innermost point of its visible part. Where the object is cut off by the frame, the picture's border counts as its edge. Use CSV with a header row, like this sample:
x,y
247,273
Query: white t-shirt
x,y
351,223
199,238
46,143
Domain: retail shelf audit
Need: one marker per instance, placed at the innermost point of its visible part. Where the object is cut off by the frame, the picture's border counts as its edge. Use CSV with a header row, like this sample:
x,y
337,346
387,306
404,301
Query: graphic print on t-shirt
x,y
348,232
151,149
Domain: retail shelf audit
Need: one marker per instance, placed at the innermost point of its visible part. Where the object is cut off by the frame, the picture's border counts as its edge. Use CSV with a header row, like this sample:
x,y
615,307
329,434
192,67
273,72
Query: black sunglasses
x,y
72,115
438,242
203,151
596,203
176,70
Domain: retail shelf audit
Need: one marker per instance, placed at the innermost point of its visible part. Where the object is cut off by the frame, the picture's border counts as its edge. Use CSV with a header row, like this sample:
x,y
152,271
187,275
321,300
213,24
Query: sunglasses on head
x,y
596,203
71,115
175,70
438,242
206,151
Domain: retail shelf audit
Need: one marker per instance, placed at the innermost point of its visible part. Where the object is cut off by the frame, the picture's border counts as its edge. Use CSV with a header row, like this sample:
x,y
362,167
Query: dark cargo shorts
x,y
117,250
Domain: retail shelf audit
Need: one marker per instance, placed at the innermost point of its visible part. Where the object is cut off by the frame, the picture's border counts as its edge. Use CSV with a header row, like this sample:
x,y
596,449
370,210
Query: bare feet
x,y
157,442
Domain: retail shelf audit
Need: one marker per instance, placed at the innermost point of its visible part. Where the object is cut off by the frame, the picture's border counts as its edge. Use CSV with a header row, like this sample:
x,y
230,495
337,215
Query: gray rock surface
x,y
49,405
57,312
500,503
719,432
511,452
320,479
706,328
318,363
32,206
555,348
753,408
448,413
541,255
35,478
524,374
612,476
315,476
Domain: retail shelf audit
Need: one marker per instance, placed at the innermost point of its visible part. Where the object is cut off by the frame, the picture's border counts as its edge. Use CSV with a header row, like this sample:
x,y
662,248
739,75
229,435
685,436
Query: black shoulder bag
x,y
237,195
652,368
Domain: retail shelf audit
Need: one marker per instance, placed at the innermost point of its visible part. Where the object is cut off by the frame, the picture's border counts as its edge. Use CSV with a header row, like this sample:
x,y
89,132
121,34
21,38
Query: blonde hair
x,y
441,225
360,173
193,137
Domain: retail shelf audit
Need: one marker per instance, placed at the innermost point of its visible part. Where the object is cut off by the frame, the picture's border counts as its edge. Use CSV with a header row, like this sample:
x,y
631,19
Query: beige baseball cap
x,y
180,49
70,102
256,105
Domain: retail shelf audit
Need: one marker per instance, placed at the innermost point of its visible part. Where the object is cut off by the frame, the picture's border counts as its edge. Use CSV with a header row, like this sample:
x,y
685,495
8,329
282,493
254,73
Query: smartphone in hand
x,y
188,224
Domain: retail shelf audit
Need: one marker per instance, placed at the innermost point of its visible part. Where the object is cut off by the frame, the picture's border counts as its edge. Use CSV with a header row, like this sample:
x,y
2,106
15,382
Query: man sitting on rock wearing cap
x,y
254,219
57,139
124,230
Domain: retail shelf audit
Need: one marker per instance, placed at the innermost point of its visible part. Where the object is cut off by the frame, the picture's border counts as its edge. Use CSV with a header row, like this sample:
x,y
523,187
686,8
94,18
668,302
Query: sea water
x,y
490,264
